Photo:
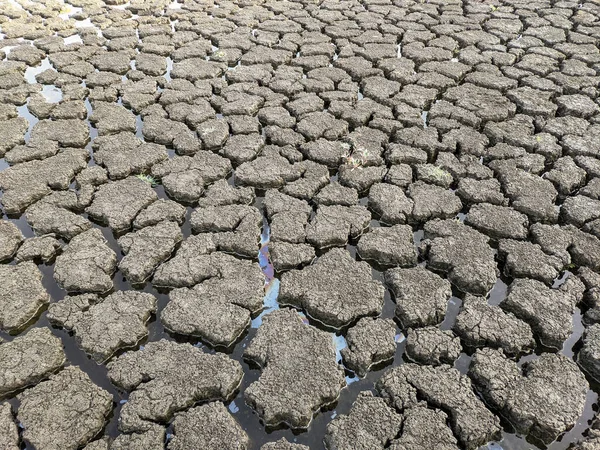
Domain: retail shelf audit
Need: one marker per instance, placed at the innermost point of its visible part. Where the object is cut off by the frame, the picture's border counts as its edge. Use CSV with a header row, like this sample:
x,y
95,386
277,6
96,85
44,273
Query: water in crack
x,y
23,111
31,72
498,293
271,283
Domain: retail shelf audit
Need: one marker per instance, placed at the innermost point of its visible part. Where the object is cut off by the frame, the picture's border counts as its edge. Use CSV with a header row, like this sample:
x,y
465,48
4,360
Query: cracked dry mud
x,y
302,224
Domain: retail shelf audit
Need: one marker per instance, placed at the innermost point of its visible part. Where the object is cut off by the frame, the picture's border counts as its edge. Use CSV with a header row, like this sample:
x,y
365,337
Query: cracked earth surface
x,y
282,225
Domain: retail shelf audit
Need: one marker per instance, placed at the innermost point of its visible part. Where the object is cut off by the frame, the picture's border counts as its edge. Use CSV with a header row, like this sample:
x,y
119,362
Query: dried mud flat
x,y
282,225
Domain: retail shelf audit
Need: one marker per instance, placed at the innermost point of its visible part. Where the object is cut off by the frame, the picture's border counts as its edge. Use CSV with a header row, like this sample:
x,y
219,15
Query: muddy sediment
x,y
368,224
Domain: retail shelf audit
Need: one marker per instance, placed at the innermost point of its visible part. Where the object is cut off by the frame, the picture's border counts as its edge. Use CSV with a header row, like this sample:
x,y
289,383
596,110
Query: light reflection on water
x,y
271,283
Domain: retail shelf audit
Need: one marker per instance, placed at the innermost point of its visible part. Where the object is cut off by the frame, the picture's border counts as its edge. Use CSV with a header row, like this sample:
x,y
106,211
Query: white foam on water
x,y
52,94
340,343
75,39
69,11
7,49
84,23
124,6
31,72
15,4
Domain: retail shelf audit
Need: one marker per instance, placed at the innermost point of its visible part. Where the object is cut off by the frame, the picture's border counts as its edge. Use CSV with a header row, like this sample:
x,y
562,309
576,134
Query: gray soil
x,y
292,225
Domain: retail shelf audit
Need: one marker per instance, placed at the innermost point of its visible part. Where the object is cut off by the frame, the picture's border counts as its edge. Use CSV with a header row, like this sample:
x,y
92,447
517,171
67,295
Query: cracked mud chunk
x,y
463,253
65,412
399,175
589,355
242,148
32,150
267,172
12,133
41,248
160,211
219,309
362,178
10,239
29,358
369,425
207,426
329,153
541,399
579,210
298,356
421,296
333,225
530,194
86,182
433,346
389,203
553,239
431,201
235,228
389,246
336,194
104,325
498,221
67,132
442,387
185,187
466,140
145,249
58,213
482,325
169,132
214,133
123,154
584,248
9,434
210,166
289,226
286,256
322,124
166,377
313,177
425,428
195,69
576,105
110,118
117,203
432,174
25,183
221,193
22,295
370,342
336,290
197,260
566,175
591,297
282,444
152,439
487,104
548,311
86,264
527,260
276,202
480,191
